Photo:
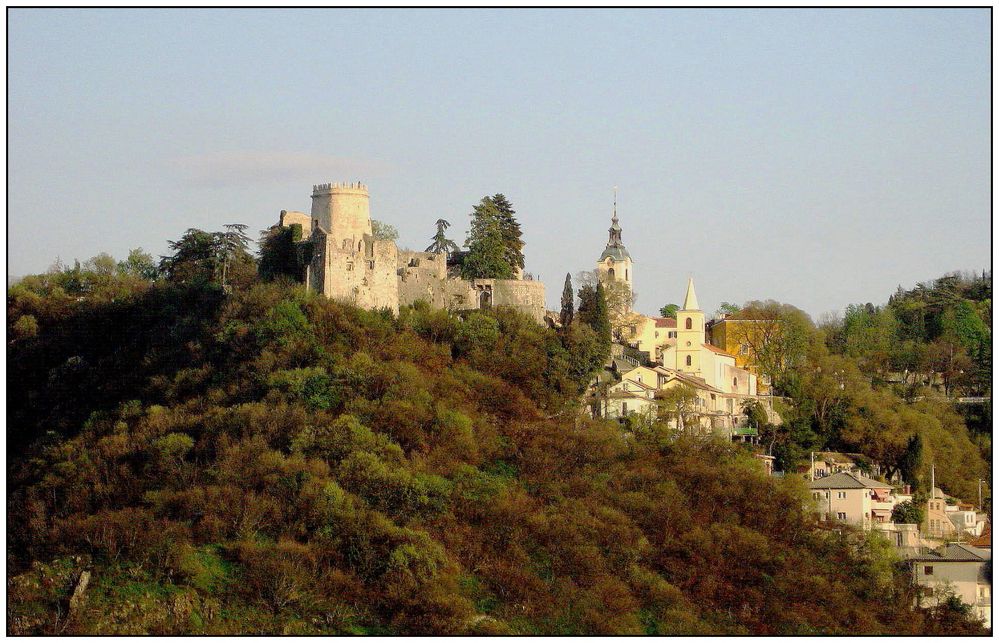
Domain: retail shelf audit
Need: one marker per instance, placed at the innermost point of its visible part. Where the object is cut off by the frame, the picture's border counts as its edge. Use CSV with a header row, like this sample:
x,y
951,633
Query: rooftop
x,y
847,480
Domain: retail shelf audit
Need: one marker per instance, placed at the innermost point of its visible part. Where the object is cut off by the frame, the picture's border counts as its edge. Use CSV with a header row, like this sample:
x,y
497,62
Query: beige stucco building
x,y
852,498
348,262
962,569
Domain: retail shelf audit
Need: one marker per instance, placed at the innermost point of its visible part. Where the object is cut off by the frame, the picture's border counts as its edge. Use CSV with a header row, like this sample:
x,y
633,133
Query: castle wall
x,y
348,263
365,277
291,217
526,296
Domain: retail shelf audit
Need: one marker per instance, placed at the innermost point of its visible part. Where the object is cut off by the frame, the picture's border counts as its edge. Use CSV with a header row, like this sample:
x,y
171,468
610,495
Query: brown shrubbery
x,y
274,462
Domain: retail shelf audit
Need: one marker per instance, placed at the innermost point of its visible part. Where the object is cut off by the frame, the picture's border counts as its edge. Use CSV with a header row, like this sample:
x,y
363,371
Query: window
x,y
841,515
689,323
841,494
610,273
672,334
927,570
688,360
735,382
624,408
626,274
350,265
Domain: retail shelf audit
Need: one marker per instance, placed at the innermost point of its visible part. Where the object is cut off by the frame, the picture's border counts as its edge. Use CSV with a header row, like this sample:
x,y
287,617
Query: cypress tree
x,y
568,298
601,316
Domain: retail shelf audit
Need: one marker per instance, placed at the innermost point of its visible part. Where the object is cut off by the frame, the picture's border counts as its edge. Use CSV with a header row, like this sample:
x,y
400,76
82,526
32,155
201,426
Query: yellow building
x,y
738,337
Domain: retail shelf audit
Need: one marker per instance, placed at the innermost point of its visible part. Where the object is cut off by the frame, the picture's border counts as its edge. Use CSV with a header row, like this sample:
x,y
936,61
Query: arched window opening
x,y
689,323
610,273
688,356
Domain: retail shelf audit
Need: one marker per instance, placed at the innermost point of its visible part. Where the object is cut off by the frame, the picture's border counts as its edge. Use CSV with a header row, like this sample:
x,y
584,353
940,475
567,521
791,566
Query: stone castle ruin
x,y
349,263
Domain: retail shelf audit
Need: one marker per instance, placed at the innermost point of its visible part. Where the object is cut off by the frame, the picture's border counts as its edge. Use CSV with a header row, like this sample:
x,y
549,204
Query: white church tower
x,y
615,263
689,333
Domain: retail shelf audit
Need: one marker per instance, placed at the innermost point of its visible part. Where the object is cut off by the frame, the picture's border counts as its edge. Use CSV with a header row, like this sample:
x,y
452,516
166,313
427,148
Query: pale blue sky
x,y
815,157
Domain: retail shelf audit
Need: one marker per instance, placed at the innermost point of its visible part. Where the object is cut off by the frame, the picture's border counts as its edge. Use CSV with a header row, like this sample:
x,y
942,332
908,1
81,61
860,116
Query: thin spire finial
x,y
615,204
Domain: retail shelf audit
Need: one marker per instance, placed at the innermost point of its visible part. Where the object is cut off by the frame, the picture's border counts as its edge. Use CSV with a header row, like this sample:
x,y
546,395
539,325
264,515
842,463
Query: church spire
x,y
614,237
690,301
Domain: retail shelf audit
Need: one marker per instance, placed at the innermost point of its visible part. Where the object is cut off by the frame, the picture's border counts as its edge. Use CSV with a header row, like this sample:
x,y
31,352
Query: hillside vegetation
x,y
258,459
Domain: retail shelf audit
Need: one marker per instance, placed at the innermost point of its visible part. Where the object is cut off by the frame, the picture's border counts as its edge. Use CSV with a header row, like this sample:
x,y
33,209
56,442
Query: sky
x,y
815,157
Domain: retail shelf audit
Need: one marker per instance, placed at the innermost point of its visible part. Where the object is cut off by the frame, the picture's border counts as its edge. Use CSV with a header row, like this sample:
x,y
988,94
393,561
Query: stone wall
x,y
526,296
291,217
364,276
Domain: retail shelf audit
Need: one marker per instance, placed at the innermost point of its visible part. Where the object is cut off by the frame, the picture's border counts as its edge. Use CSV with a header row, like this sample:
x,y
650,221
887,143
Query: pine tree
x,y
486,257
568,299
441,244
510,229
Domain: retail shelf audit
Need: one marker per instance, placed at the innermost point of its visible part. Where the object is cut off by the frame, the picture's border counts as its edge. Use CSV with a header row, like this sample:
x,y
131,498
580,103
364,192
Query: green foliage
x,y
383,231
441,244
275,462
907,513
568,299
669,310
283,253
486,256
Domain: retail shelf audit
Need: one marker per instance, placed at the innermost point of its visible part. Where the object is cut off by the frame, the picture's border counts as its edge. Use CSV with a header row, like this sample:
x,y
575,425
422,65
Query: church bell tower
x,y
614,264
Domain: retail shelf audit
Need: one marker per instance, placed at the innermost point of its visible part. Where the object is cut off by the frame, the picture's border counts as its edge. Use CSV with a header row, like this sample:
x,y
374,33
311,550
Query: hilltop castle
x,y
348,262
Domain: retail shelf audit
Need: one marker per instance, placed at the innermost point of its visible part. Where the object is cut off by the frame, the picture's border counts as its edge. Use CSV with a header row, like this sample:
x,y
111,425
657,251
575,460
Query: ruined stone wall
x,y
423,275
291,217
364,275
526,296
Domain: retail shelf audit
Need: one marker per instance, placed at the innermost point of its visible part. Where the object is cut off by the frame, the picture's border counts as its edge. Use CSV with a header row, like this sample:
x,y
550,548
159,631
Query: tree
x,y
283,253
911,462
669,311
568,299
233,247
194,259
487,256
593,310
510,231
441,244
383,231
907,513
677,408
777,336
206,257
727,309
138,264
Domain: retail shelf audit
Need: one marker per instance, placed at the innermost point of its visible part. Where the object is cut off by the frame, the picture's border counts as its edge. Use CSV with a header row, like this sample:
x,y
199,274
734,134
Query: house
x,y
964,518
853,499
962,569
629,397
936,523
741,337
826,463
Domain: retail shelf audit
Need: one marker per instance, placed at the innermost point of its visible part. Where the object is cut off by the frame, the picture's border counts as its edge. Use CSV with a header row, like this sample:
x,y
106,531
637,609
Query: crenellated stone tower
x,y
342,210
347,262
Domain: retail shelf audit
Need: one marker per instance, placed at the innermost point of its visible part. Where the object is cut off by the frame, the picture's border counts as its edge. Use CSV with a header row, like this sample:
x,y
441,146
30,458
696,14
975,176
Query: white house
x,y
852,498
962,569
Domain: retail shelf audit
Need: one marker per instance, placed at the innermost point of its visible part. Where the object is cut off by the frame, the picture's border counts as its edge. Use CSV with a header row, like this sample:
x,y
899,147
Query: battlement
x,y
339,188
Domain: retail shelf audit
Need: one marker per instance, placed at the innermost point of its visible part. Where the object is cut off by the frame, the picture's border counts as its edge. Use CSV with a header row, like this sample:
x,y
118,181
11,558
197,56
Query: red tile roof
x,y
985,540
665,322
